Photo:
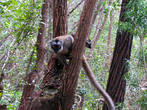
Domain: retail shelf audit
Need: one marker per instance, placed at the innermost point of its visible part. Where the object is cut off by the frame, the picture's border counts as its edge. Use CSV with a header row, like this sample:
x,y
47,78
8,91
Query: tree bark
x,y
71,72
94,16
33,77
119,67
67,75
60,26
52,80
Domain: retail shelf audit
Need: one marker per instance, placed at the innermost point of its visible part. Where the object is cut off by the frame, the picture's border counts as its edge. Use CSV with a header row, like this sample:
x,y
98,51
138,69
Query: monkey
x,y
61,46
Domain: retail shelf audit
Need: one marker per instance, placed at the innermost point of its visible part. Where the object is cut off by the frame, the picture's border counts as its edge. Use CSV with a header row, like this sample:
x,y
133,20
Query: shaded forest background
x,y
19,24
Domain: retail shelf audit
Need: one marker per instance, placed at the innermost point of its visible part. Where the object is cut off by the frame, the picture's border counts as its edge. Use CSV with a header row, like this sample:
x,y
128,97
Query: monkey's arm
x,y
98,87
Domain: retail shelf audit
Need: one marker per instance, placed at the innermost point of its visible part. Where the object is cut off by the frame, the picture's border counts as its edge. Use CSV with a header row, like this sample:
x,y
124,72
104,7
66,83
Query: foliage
x,y
140,56
19,22
142,101
135,17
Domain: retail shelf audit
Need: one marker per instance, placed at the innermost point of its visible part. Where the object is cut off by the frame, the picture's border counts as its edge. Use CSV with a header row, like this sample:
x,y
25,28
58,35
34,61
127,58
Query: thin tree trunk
x,y
96,38
50,24
2,107
141,39
107,62
33,77
143,55
60,26
119,67
97,27
100,30
94,16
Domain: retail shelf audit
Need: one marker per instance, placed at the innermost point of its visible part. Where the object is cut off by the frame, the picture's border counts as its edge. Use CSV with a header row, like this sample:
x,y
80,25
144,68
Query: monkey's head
x,y
56,46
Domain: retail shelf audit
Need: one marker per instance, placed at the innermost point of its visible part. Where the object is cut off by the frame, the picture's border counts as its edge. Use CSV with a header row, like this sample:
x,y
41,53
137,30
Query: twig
x,y
96,38
95,33
75,7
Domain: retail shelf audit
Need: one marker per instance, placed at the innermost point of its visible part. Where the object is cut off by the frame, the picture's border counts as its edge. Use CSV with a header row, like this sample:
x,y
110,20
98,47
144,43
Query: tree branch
x,y
75,7
98,87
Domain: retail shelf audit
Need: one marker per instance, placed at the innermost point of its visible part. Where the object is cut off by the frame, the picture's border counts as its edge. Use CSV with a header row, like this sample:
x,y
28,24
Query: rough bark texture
x,y
60,18
71,73
52,81
64,79
119,67
33,77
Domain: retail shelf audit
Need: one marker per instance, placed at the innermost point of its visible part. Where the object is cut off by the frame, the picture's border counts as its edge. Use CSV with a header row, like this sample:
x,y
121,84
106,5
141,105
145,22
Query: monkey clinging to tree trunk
x,y
61,46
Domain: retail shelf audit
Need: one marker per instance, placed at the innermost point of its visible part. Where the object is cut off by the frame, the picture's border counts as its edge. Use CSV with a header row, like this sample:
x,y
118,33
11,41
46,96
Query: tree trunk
x,y
97,28
52,80
143,55
60,18
94,16
119,67
72,70
107,62
96,38
63,79
33,77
